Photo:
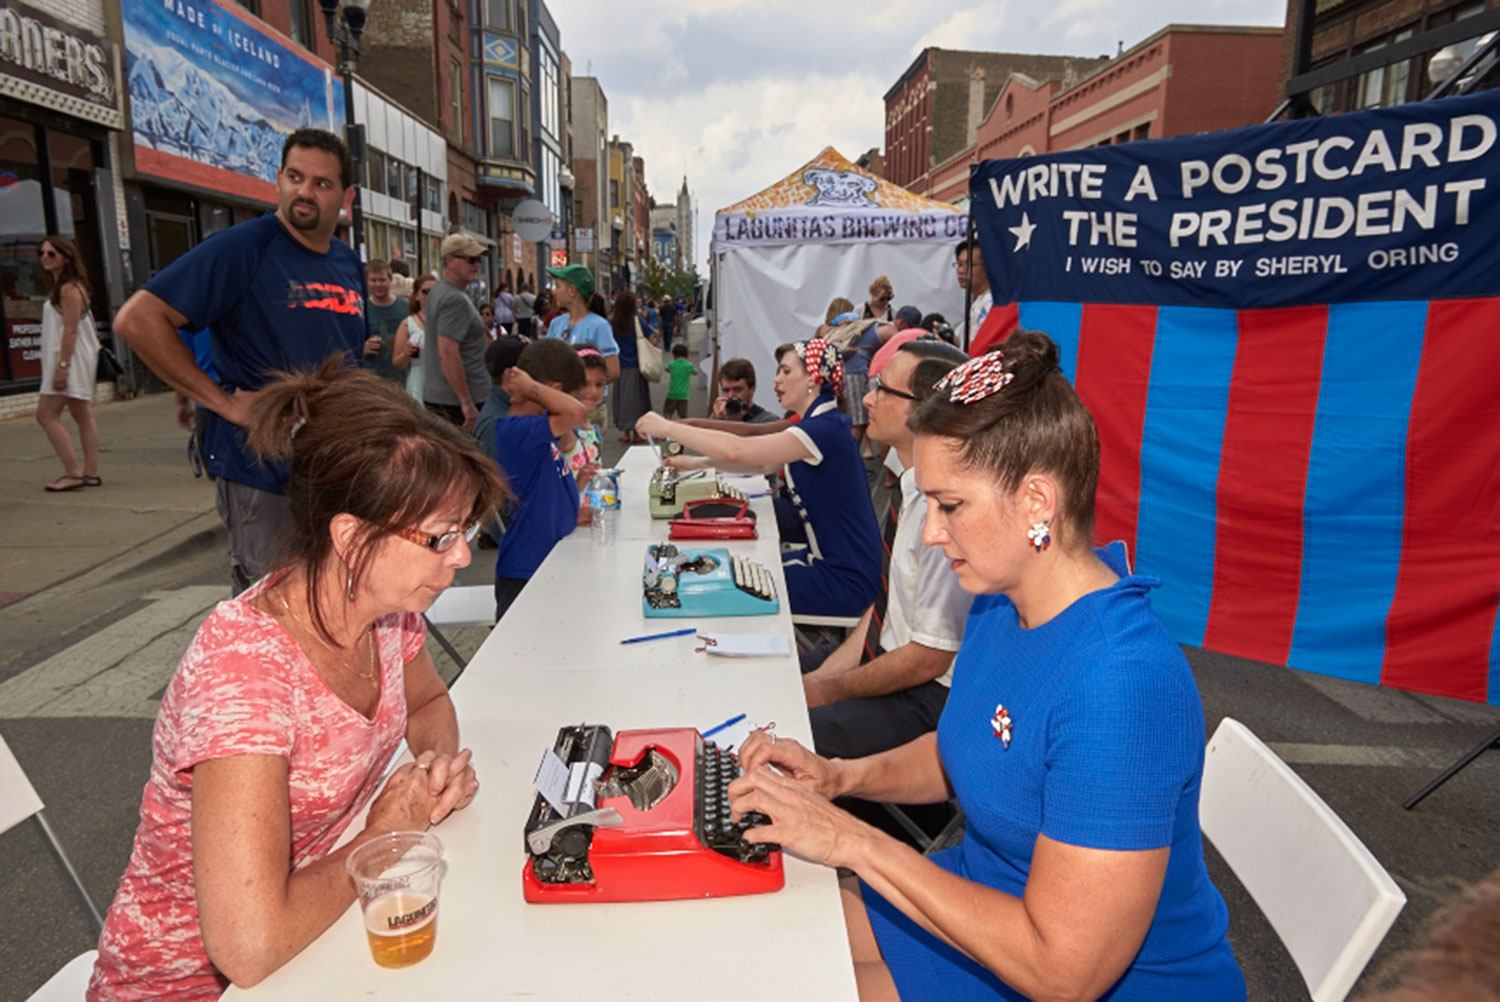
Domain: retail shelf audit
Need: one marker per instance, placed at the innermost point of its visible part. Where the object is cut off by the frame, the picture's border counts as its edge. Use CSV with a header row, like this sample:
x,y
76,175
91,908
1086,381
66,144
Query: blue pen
x,y
728,723
659,636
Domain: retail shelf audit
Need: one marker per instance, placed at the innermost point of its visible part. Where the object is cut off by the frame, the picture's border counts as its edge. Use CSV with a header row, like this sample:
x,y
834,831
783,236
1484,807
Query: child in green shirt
x,y
681,370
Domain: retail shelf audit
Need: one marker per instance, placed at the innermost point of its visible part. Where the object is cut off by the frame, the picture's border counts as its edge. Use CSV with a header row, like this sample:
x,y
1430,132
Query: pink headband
x,y
822,361
586,352
976,379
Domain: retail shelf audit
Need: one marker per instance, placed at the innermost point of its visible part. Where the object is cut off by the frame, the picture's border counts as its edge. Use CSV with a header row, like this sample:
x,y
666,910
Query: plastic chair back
x,y
18,799
463,605
1329,900
70,982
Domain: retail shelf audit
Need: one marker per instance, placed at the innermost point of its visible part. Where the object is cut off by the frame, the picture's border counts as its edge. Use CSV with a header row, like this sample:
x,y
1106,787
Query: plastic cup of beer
x,y
397,876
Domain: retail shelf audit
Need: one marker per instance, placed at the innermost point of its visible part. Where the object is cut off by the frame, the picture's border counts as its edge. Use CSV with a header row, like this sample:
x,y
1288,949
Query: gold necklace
x,y
373,678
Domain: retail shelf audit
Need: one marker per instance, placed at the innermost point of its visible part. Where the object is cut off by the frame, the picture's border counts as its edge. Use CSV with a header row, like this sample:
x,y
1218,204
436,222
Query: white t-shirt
x,y
926,604
978,310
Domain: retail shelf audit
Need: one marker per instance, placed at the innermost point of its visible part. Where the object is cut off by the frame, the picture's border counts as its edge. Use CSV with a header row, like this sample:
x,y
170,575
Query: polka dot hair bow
x,y
976,379
822,361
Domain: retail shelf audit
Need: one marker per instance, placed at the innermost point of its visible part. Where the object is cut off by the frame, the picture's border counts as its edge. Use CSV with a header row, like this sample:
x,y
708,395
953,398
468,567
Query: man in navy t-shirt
x,y
276,293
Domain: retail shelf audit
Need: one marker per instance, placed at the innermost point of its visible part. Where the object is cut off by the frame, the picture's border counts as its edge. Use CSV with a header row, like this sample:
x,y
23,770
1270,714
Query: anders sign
x,y
1399,203
38,49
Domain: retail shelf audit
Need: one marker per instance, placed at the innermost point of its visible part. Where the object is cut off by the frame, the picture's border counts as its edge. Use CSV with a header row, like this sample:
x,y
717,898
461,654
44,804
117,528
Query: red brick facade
x,y
1181,80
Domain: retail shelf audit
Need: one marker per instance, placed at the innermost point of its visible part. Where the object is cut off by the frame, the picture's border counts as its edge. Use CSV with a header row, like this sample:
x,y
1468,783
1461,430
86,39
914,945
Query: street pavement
x,y
102,589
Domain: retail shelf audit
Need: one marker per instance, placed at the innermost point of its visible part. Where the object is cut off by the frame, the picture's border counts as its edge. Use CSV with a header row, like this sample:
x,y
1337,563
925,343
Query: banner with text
x,y
1286,335
214,94
1385,204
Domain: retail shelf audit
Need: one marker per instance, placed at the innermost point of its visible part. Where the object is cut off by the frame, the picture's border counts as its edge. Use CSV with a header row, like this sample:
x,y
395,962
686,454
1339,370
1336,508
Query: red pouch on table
x,y
713,518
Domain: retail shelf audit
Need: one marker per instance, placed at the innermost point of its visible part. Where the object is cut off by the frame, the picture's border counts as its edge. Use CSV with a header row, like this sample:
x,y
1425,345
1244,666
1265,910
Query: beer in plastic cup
x,y
397,877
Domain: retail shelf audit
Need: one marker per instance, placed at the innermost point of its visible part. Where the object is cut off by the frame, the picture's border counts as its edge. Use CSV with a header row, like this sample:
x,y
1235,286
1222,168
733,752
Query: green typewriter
x,y
671,489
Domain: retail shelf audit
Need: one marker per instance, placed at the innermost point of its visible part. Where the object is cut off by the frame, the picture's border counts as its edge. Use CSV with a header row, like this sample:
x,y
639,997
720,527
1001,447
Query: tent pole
x,y
969,274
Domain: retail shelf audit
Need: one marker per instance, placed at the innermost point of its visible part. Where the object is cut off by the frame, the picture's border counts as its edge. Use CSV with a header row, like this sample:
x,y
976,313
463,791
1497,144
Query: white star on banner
x,y
1022,233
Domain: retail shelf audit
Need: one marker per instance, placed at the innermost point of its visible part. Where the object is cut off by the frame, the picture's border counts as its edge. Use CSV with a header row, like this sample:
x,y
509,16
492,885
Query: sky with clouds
x,y
736,94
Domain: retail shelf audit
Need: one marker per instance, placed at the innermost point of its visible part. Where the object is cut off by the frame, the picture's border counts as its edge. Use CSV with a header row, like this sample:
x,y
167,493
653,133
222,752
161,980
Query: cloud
x,y
736,94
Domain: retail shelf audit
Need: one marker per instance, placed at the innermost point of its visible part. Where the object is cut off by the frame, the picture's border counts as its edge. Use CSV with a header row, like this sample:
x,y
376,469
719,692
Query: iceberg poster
x,y
214,93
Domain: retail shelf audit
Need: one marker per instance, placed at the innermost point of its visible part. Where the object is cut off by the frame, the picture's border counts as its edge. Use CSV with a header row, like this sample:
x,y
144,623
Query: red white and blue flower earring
x,y
1001,723
1040,535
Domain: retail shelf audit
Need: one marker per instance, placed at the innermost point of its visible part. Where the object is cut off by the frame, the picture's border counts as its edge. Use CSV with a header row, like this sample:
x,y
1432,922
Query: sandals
x,y
69,483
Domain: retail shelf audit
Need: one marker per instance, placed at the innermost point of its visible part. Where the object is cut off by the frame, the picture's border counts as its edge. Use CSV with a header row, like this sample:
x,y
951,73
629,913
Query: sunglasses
x,y
438,544
471,258
48,253
879,387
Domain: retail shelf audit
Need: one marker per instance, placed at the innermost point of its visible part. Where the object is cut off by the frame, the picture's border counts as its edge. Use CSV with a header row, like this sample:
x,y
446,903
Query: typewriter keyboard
x,y
753,578
715,770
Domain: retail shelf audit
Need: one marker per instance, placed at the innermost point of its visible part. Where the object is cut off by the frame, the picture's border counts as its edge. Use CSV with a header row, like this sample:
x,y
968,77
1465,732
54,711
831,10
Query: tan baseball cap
x,y
461,244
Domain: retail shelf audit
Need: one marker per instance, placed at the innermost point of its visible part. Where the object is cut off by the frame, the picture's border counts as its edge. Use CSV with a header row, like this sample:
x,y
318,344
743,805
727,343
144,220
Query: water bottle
x,y
605,500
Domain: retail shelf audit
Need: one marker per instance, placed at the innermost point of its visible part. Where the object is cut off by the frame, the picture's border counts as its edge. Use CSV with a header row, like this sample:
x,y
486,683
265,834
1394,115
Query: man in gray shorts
x,y
455,387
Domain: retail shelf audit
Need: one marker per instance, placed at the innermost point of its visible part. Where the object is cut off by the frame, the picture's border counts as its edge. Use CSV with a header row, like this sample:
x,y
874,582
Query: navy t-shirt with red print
x,y
270,305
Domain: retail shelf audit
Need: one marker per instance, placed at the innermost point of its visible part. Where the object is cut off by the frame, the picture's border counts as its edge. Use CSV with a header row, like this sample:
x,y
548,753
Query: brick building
x,y
1183,79
934,109
590,172
1375,53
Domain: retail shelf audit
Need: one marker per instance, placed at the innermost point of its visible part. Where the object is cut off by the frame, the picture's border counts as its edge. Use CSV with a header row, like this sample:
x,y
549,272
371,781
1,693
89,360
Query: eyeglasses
x,y
879,387
48,253
438,544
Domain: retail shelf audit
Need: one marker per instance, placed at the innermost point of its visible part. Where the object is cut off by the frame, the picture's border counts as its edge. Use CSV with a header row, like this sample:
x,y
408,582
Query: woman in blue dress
x,y
1073,739
837,571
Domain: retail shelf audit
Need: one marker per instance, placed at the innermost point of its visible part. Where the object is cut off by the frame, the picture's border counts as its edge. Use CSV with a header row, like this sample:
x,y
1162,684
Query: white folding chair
x,y
461,605
1327,897
70,982
19,801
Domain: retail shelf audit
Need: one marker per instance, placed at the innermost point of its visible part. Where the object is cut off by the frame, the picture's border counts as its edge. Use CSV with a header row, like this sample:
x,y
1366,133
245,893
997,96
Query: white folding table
x,y
556,659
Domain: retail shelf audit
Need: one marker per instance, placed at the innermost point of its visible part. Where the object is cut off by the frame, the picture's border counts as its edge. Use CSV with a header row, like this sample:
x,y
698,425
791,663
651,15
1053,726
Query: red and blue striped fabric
x,y
1316,486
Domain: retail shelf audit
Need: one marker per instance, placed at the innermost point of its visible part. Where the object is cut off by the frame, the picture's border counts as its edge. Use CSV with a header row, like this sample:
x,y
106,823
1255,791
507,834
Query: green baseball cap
x,y
577,276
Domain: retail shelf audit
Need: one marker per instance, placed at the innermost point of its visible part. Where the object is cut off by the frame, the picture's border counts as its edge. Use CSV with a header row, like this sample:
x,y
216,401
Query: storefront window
x,y
377,240
72,161
23,224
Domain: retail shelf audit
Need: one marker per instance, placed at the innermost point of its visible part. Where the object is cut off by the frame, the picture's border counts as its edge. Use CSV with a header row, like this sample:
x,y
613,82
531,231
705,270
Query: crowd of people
x,y
1001,661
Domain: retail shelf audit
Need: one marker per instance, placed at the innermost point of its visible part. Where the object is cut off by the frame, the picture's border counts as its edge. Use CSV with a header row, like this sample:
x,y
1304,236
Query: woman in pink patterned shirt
x,y
293,697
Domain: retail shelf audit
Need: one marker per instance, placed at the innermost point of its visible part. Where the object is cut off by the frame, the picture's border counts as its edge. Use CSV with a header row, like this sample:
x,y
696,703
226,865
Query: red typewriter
x,y
652,825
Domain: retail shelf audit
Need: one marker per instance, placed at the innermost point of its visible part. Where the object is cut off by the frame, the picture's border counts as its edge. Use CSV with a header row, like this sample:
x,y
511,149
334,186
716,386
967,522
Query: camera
x,y
734,407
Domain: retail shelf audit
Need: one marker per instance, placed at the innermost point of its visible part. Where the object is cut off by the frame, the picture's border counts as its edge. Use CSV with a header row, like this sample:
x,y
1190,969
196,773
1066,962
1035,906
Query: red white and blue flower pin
x,y
976,379
1001,722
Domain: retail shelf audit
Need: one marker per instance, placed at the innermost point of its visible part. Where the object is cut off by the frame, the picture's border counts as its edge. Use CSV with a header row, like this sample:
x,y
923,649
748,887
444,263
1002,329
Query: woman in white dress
x,y
406,351
70,357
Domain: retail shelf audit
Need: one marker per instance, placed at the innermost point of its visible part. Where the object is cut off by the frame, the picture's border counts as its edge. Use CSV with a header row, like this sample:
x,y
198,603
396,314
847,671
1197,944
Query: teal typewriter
x,y
679,582
670,490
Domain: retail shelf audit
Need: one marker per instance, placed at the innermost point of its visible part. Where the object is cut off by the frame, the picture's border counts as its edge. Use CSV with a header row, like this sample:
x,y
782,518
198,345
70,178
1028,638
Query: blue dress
x,y
1106,752
827,506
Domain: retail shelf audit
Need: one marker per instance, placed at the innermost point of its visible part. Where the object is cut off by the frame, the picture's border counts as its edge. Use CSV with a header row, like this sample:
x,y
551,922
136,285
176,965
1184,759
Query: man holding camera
x,y
736,400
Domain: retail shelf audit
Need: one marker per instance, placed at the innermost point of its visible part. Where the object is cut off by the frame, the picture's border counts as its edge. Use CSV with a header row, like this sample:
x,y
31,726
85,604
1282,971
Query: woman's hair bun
x,y
1030,353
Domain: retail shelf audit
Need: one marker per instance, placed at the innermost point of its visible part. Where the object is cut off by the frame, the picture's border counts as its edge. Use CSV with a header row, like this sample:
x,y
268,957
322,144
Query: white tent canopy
x,y
826,230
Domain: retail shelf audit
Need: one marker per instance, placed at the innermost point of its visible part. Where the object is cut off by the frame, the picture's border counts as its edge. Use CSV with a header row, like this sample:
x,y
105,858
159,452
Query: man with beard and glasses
x,y
275,293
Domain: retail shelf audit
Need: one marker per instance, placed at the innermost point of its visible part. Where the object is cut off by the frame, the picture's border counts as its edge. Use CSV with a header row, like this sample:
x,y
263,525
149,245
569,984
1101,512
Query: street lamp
x,y
346,31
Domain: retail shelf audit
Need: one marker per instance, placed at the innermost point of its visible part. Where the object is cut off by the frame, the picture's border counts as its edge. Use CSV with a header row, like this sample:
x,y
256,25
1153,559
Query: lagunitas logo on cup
x,y
411,918
398,876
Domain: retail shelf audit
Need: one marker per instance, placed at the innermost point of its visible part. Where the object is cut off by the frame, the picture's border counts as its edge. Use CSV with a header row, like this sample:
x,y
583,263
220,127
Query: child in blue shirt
x,y
542,409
